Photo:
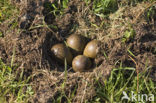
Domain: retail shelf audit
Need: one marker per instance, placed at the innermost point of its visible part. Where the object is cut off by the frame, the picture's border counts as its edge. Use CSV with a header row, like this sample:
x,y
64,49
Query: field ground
x,y
126,61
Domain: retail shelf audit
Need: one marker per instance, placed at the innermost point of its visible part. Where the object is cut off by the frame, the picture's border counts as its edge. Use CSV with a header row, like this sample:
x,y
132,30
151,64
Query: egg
x,y
62,52
81,63
76,42
91,49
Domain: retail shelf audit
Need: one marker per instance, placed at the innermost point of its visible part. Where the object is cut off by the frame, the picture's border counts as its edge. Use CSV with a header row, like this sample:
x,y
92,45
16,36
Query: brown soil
x,y
32,47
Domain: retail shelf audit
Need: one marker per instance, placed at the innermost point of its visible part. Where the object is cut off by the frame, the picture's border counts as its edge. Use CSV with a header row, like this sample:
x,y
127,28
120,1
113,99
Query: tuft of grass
x,y
57,8
103,7
13,87
129,34
8,15
7,10
123,79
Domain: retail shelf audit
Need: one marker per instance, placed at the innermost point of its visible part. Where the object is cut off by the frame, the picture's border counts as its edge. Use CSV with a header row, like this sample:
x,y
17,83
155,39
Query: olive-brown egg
x,y
76,42
91,49
81,63
61,52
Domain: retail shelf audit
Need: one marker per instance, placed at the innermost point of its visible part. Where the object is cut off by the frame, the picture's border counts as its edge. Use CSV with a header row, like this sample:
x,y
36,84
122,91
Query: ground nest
x,y
31,46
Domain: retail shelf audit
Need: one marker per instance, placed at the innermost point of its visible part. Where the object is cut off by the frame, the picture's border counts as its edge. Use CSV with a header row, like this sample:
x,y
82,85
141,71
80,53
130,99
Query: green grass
x,y
14,87
56,8
8,15
103,7
123,79
129,34
7,10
